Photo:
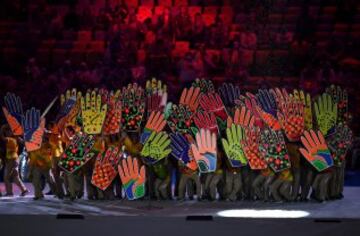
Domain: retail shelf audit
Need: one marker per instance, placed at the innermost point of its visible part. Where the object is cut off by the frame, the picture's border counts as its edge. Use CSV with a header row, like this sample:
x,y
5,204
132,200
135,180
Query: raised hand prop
x,y
316,150
105,169
180,149
325,113
156,147
14,114
79,151
205,151
233,146
133,101
273,148
133,178
93,113
34,128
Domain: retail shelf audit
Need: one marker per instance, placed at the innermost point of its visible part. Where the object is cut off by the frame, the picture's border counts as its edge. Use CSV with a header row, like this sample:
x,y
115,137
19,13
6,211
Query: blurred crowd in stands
x,y
51,45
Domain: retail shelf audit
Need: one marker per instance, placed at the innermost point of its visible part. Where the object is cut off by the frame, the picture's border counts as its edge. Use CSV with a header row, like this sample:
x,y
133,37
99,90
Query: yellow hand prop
x,y
93,113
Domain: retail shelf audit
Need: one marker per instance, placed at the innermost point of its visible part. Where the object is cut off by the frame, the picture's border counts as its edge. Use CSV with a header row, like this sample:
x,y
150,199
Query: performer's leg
x,y
109,193
157,183
7,178
118,189
182,186
164,188
206,185
229,179
65,177
274,189
237,185
72,185
196,178
58,182
324,186
190,189
307,183
342,179
268,181
16,177
334,181
100,195
36,181
296,183
316,187
285,190
49,180
79,185
213,185
90,188
257,186
246,177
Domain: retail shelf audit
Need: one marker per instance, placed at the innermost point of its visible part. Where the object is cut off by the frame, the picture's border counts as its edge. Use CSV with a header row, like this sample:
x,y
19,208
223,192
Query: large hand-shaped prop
x,y
181,120
180,149
70,103
280,95
251,104
273,148
242,117
268,109
325,113
204,85
190,98
34,128
339,143
251,149
340,97
93,113
156,96
105,170
229,94
316,150
206,120
78,152
291,117
13,112
155,123
113,116
132,178
305,99
212,102
232,146
205,151
133,101
156,147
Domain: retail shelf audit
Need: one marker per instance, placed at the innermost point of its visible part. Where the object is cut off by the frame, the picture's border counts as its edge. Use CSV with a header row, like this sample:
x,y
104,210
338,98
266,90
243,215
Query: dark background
x,y
48,46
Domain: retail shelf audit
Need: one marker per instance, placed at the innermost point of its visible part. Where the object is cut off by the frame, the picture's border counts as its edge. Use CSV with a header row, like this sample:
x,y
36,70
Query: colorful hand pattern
x,y
133,178
233,146
205,151
316,150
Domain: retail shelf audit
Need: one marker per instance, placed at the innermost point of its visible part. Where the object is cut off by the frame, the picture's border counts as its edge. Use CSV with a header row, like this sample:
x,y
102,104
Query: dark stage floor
x,y
24,216
349,207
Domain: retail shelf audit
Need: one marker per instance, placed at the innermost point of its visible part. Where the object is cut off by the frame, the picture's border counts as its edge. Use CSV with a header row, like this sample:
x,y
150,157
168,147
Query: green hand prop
x,y
232,146
156,147
325,113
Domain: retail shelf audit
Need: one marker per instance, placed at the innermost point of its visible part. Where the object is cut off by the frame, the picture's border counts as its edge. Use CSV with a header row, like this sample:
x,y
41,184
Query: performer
x,y
40,165
11,161
233,181
188,175
56,151
162,179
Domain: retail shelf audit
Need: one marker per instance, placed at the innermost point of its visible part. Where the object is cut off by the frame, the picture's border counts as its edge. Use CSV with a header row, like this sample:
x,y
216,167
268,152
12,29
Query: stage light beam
x,y
270,213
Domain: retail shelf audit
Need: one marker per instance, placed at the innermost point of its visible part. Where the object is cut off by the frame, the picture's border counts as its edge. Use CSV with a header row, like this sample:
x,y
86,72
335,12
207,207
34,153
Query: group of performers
x,y
225,144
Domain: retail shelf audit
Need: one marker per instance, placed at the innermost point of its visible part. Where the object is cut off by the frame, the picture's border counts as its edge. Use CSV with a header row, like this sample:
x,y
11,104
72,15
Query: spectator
x,y
72,20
